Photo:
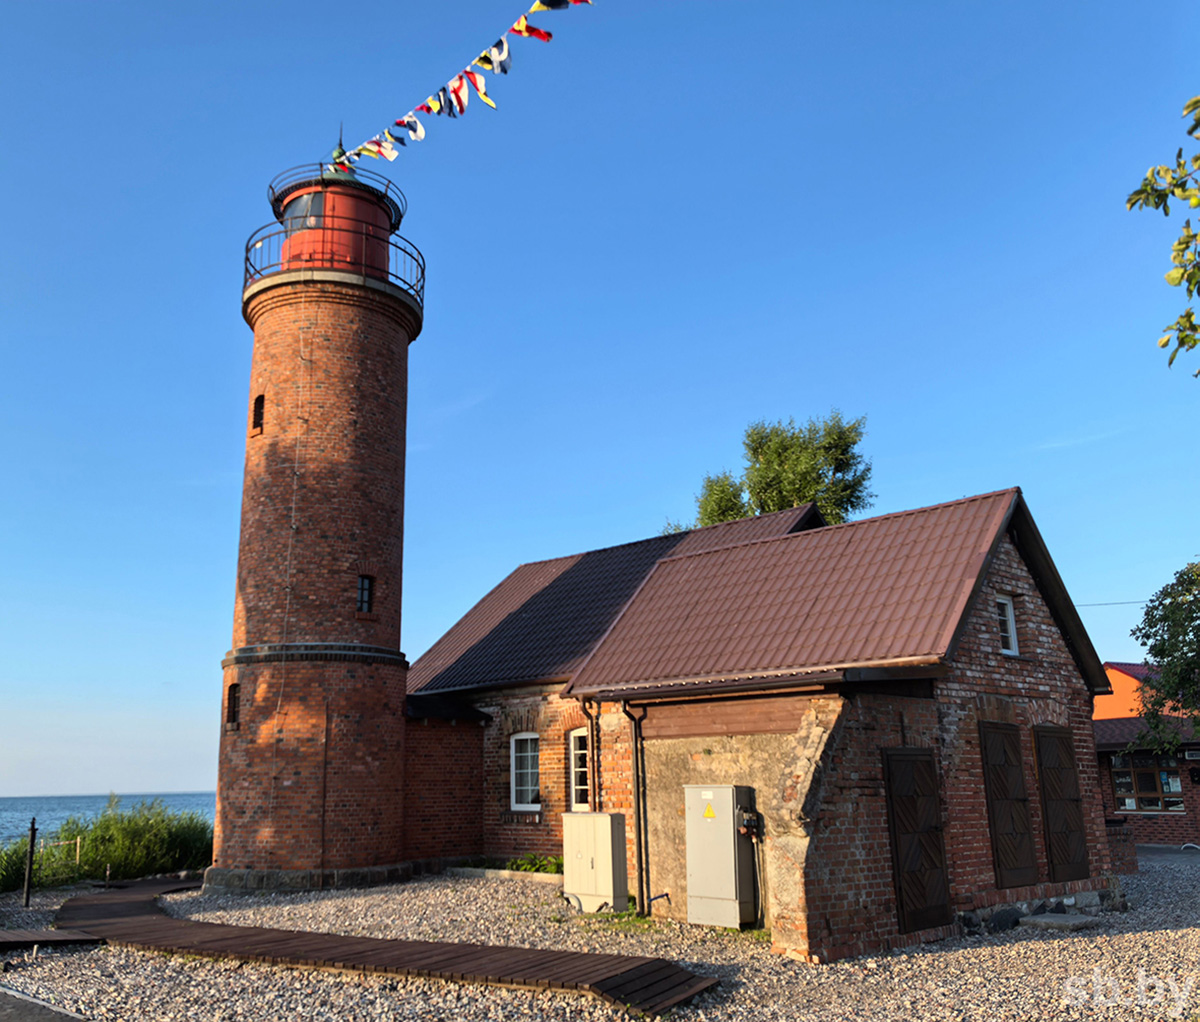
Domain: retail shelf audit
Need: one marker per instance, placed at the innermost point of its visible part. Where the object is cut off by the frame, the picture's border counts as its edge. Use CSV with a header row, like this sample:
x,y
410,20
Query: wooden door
x,y
1062,804
918,854
1008,805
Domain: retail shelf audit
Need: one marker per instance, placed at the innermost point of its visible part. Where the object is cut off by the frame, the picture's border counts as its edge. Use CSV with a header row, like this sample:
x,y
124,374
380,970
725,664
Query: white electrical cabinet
x,y
594,861
720,860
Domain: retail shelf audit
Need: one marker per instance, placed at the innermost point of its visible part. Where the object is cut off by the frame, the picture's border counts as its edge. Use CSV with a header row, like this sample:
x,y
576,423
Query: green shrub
x,y
149,838
533,863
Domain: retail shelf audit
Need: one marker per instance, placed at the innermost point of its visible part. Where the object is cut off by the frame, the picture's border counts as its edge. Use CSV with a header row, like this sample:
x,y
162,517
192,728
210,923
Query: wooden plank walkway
x,y
130,916
18,940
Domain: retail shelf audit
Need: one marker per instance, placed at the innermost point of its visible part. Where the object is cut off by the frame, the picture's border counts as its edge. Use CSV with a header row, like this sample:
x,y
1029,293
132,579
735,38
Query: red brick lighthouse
x,y
310,782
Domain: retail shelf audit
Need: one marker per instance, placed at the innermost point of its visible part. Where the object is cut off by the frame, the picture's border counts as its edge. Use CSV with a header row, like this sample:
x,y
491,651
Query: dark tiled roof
x,y
878,591
542,621
1120,731
1139,671
441,707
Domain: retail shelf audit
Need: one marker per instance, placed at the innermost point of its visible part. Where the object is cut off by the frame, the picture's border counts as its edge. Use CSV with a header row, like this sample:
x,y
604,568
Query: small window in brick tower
x,y
366,594
578,753
233,705
256,419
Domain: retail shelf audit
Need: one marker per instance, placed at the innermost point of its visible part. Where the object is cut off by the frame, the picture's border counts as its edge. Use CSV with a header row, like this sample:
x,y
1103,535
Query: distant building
x,y
1156,796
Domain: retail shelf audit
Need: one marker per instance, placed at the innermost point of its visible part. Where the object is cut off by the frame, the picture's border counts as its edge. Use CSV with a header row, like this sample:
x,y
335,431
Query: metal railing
x,y
320,174
351,246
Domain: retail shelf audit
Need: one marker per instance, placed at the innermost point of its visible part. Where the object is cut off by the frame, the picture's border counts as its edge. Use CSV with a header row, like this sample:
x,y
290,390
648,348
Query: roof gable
x,y
885,590
544,619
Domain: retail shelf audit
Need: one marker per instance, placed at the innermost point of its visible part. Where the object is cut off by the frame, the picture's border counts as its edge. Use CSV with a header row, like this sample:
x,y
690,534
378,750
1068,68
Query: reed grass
x,y
127,843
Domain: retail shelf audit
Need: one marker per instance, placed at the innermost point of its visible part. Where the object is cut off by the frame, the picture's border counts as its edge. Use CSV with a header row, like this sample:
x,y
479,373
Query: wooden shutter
x,y
1062,805
915,823
1008,805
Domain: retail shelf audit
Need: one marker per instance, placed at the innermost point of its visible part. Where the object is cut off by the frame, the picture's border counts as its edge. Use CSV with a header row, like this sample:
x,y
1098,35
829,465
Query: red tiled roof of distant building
x,y
1140,671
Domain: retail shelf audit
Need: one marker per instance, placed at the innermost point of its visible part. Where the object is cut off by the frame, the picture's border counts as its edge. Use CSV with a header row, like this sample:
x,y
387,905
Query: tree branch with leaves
x,y
1182,181
789,465
1170,632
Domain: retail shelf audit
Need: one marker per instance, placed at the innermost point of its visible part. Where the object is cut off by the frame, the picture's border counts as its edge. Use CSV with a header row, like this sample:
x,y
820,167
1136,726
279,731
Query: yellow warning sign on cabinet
x,y
708,812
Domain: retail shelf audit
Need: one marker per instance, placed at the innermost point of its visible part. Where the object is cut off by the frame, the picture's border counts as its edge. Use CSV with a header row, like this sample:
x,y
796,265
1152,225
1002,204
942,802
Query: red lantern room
x,y
335,219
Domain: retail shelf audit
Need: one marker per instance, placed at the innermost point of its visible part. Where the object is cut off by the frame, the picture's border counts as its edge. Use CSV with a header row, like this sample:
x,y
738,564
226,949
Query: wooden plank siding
x,y
1008,805
1062,803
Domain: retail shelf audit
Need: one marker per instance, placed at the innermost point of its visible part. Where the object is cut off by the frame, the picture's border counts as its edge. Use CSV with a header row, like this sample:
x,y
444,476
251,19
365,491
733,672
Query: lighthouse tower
x,y
310,781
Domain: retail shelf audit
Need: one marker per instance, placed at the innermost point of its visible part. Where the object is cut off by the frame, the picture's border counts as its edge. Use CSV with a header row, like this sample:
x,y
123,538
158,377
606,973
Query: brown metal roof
x,y
886,590
1120,731
542,621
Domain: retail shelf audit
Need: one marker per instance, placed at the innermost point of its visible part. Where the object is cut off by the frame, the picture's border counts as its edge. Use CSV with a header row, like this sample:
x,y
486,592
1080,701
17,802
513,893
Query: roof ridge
x,y
840,526
666,535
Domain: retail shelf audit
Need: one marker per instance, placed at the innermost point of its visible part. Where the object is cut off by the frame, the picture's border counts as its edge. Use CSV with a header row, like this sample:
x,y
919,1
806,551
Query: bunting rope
x,y
451,99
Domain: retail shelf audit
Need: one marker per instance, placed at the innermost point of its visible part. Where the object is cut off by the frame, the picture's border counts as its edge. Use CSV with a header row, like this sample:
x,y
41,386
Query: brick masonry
x,y
1150,828
311,776
828,886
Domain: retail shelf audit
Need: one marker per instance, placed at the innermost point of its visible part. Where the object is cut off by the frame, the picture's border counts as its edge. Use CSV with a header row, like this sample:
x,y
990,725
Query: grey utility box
x,y
720,861
594,868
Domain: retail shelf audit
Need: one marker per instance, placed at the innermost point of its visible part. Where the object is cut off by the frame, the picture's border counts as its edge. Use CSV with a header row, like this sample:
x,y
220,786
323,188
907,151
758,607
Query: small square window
x,y
1008,625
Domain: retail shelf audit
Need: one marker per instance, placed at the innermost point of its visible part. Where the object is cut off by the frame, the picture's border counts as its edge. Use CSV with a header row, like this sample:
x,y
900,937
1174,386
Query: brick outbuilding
x,y
909,696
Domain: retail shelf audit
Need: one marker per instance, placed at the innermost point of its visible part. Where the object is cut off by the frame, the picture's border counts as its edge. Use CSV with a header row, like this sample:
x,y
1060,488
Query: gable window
x,y
1144,783
524,787
1008,625
577,749
366,594
256,417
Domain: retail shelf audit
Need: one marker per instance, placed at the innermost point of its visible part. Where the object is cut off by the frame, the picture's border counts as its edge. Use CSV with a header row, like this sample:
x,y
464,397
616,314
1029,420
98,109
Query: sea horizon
x,y
51,811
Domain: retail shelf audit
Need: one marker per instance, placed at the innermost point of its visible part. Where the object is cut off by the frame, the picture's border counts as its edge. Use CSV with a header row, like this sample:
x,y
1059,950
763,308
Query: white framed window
x,y
524,786
1008,625
577,753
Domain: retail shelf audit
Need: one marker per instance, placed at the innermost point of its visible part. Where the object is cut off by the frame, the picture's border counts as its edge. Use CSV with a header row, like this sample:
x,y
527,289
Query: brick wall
x,y
443,789
1042,685
1121,849
537,709
1149,828
312,777
323,496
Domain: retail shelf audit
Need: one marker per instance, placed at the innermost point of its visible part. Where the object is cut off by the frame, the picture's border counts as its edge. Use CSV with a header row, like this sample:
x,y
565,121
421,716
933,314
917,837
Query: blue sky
x,y
684,216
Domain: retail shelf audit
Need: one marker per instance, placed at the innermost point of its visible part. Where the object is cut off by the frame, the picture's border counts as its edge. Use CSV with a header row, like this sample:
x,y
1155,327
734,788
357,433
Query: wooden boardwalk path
x,y
130,917
16,940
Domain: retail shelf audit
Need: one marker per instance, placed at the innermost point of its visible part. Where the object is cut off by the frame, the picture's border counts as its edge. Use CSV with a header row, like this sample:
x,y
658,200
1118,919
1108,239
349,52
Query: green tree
x,y
788,465
1163,183
721,499
1170,631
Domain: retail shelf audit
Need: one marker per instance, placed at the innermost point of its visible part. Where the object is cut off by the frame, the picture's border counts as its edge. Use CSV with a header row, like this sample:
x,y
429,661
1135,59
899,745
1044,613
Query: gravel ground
x,y
1092,975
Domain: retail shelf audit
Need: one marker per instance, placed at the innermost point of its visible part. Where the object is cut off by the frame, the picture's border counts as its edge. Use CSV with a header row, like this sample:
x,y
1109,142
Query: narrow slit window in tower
x,y
256,419
233,706
366,594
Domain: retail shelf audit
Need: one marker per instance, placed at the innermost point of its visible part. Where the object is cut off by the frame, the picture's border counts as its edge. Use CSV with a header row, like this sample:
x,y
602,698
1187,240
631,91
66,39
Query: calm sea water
x,y
52,810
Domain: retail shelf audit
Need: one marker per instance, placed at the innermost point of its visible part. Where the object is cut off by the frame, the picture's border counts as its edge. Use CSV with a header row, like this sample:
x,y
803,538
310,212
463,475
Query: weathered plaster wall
x,y
780,767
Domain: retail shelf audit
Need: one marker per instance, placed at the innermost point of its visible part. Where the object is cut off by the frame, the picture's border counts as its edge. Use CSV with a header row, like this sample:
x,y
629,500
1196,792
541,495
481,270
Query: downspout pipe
x,y
639,837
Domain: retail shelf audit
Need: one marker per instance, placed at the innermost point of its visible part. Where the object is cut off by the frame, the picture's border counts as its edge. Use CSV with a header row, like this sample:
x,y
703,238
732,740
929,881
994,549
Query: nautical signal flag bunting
x,y
451,99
